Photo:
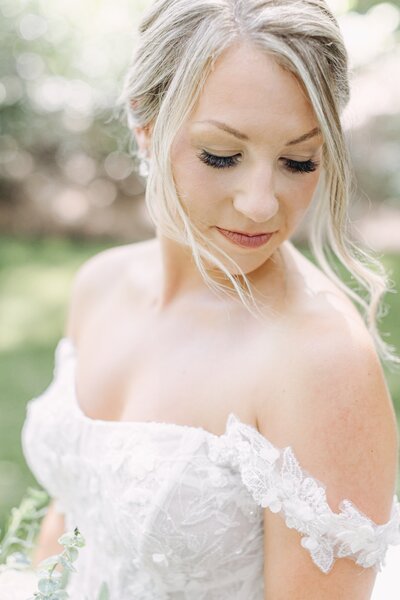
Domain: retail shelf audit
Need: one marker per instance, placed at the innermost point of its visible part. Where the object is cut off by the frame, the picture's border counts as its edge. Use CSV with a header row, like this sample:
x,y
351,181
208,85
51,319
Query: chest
x,y
184,370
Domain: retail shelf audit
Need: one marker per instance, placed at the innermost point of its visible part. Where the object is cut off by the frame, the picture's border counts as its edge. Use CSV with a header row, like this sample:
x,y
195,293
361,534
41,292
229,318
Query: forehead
x,y
248,87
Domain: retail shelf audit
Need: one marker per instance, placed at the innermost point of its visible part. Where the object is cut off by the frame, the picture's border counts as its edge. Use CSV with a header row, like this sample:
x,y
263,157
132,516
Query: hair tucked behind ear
x,y
177,44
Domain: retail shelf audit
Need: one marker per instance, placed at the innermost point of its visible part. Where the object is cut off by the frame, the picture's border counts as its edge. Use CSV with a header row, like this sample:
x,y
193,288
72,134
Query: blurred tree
x,y
65,162
363,6
62,155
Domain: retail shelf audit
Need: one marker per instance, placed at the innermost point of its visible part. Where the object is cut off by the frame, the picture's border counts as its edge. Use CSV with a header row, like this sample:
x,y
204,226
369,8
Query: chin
x,y
248,264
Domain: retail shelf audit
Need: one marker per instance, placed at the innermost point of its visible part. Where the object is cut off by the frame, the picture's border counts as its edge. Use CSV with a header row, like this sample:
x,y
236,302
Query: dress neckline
x,y
232,417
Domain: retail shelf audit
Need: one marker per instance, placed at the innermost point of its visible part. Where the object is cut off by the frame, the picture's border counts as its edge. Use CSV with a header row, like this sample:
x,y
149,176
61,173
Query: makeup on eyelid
x,y
309,151
228,162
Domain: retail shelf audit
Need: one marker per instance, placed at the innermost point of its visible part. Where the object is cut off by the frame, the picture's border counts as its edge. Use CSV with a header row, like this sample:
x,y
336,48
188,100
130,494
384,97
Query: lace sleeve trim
x,y
64,353
275,480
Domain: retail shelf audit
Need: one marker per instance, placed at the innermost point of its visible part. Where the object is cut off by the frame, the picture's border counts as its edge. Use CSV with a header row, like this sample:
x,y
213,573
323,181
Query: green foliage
x,y
104,592
35,280
52,584
22,528
19,540
363,6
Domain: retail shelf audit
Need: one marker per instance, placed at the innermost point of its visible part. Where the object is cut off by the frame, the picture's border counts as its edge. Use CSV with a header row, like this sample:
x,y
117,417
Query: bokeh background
x,y
68,186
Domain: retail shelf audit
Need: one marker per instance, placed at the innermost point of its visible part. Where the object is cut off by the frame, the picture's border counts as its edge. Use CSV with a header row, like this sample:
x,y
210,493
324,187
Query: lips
x,y
246,240
249,234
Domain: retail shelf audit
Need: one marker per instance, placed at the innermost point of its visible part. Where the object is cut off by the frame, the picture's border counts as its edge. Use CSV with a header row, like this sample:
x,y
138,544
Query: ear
x,y
143,137
142,134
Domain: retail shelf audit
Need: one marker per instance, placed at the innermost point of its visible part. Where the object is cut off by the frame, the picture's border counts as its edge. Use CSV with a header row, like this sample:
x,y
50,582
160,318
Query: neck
x,y
180,280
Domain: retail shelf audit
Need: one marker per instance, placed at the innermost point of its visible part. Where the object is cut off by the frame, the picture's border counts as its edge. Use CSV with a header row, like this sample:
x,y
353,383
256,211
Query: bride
x,y
218,425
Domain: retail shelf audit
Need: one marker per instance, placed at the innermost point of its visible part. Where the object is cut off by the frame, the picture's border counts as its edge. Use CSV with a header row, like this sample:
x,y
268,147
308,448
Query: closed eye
x,y
218,162
224,162
301,166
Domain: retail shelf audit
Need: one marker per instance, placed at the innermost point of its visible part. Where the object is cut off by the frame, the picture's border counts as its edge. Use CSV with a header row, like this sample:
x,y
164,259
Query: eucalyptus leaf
x,y
61,595
23,523
19,536
47,586
66,539
67,564
104,593
73,554
50,561
64,562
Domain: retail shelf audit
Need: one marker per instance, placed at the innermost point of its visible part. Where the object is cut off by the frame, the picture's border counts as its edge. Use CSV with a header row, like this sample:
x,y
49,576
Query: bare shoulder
x,y
336,414
335,407
96,277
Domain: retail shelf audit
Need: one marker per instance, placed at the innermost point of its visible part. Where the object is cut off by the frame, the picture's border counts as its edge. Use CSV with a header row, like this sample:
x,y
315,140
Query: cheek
x,y
198,190
298,196
301,188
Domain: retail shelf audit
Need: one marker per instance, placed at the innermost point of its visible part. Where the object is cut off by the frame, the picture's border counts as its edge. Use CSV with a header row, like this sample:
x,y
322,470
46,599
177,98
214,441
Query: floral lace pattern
x,y
177,510
275,480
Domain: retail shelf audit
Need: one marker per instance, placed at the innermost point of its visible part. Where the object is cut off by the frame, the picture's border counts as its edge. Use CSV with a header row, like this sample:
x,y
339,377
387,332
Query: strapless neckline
x,y
67,341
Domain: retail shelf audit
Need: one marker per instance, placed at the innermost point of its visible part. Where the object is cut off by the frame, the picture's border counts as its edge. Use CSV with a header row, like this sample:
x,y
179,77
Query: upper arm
x,y
338,418
51,528
92,282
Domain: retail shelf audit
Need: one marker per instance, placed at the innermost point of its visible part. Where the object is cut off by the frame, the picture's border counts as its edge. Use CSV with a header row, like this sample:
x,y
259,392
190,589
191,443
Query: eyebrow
x,y
243,136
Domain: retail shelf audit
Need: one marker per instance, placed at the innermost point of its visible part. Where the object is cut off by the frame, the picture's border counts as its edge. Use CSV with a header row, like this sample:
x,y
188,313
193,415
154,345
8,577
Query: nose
x,y
256,198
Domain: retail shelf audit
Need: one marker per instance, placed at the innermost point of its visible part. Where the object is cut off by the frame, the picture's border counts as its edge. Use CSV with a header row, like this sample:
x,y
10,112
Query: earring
x,y
143,164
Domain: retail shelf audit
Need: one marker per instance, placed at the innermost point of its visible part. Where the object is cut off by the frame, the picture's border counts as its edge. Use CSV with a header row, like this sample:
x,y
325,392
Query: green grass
x,y
35,280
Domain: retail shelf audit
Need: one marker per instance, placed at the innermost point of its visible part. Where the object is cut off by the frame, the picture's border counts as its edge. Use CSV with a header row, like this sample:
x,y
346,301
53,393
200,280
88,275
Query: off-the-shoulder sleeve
x,y
64,355
275,479
40,431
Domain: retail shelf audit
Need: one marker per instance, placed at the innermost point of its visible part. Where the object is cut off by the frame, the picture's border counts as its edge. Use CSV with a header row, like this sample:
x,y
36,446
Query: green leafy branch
x,y
51,584
19,540
22,528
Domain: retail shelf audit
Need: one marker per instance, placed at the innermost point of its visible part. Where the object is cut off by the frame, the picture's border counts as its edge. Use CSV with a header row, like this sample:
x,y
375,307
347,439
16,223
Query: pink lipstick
x,y
246,241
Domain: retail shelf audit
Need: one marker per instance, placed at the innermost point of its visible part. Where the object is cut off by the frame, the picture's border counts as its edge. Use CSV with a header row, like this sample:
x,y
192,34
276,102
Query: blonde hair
x,y
176,47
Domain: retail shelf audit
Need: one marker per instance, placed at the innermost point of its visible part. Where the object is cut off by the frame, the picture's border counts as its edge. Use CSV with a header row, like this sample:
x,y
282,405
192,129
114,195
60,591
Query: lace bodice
x,y
176,512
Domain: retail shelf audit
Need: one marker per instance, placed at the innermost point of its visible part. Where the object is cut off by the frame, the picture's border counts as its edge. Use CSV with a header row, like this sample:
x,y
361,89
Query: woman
x,y
219,425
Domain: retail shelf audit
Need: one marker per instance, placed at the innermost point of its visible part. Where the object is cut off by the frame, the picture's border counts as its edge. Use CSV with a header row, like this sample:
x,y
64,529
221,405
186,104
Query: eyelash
x,y
223,162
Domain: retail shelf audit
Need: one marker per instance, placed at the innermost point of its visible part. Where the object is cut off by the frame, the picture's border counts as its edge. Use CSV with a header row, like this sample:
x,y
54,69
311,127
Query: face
x,y
236,162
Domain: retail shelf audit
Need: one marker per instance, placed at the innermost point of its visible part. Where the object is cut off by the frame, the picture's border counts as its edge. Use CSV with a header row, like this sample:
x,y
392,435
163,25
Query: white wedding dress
x,y
176,512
